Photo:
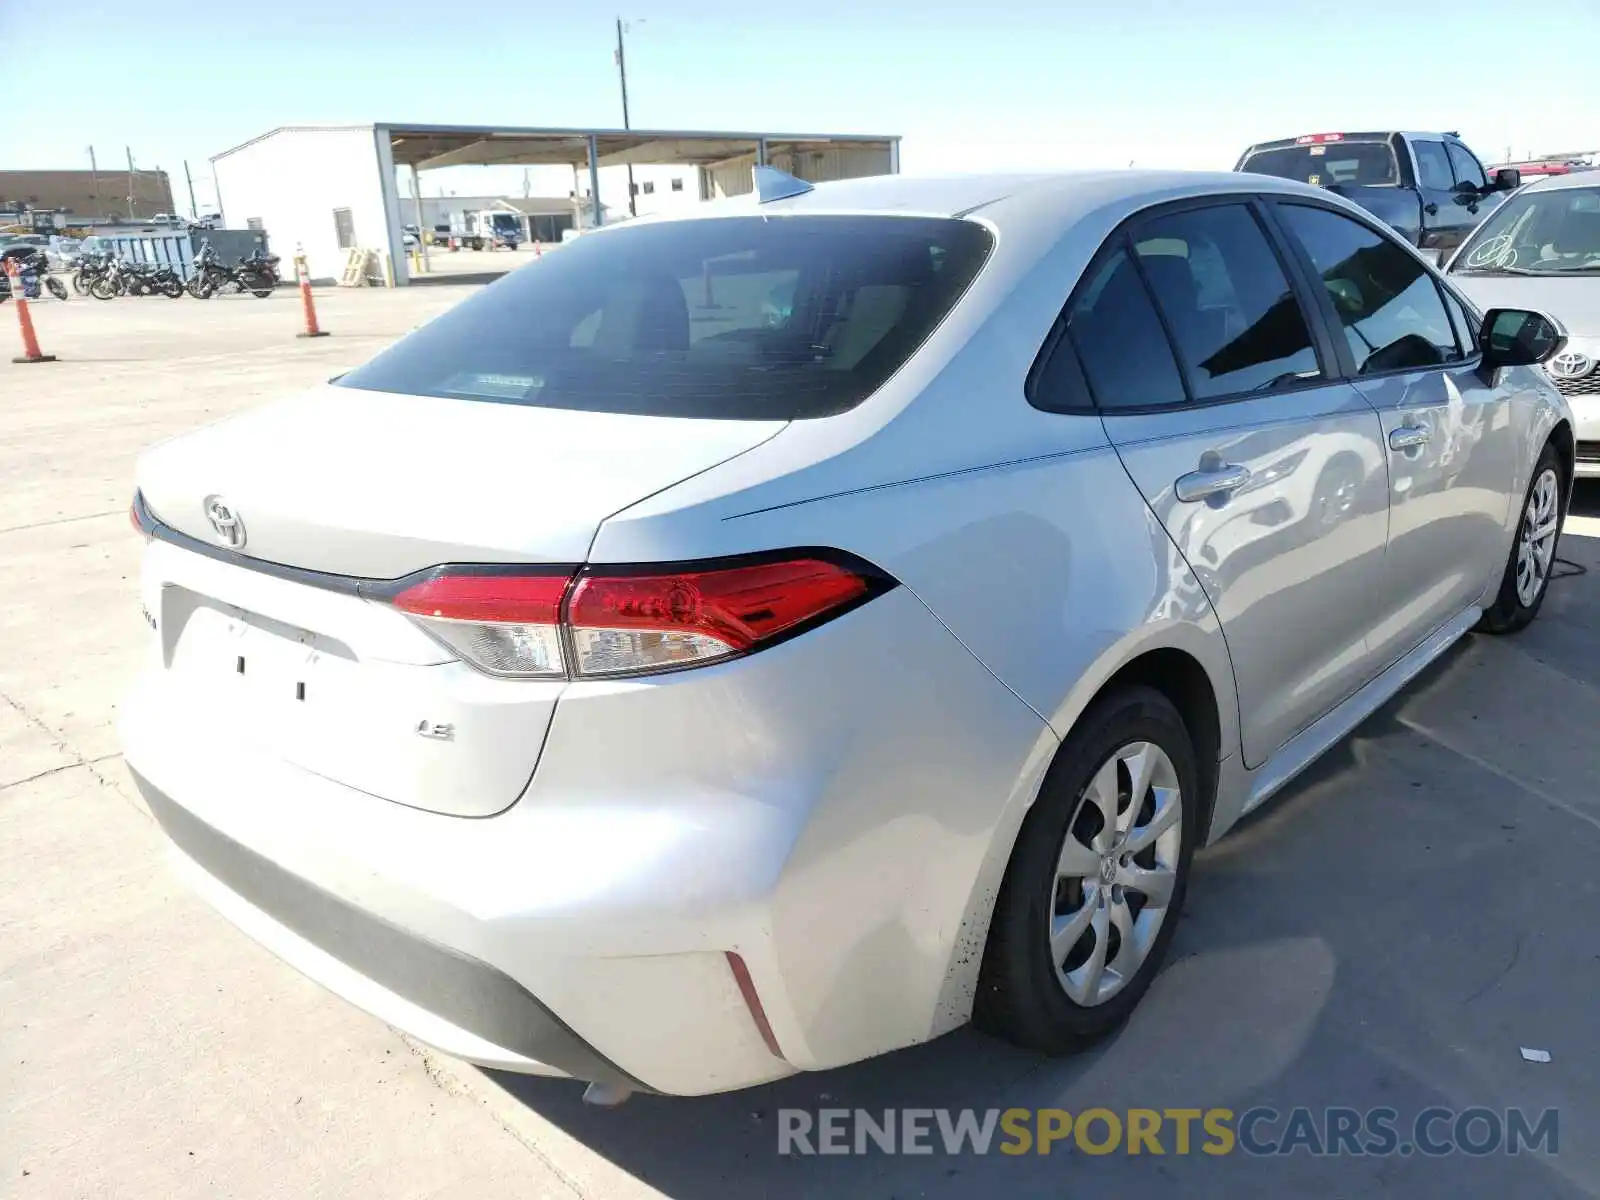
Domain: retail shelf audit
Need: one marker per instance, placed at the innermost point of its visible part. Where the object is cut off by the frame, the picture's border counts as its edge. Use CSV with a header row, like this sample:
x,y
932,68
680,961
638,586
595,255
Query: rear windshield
x,y
1364,164
735,318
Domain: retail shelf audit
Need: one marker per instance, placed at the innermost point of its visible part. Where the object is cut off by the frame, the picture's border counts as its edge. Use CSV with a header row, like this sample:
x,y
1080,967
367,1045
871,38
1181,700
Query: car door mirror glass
x,y
1517,337
1507,179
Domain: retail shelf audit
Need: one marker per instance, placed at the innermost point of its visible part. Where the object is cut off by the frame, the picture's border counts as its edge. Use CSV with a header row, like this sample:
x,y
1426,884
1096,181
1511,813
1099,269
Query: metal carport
x,y
808,156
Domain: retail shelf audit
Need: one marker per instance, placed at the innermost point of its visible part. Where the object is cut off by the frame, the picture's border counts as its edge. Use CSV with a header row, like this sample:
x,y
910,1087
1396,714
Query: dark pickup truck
x,y
1428,186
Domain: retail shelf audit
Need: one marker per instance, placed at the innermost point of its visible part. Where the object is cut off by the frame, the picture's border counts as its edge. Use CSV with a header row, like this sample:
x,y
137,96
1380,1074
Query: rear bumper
x,y
842,829
486,1007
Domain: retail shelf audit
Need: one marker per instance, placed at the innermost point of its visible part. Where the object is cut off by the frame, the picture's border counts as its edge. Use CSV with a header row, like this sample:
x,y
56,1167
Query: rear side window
x,y
1388,304
1234,317
733,318
1362,164
1124,351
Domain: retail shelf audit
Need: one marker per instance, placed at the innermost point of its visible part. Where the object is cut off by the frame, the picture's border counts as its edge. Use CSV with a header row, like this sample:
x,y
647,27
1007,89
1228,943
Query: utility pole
x,y
622,74
94,175
131,213
194,209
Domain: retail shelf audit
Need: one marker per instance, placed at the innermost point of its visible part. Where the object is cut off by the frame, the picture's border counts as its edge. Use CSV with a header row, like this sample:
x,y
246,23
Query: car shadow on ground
x,y
442,278
1388,933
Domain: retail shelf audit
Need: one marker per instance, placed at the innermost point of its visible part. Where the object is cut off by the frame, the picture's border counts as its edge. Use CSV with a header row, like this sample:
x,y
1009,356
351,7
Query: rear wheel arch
x,y
1181,678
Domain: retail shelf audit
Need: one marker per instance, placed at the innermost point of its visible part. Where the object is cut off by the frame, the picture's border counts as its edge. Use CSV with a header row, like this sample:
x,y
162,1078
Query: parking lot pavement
x,y
1392,931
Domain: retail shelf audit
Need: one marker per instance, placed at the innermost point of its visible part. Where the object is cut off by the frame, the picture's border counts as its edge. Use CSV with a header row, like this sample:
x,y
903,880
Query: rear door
x,y
1448,436
1265,469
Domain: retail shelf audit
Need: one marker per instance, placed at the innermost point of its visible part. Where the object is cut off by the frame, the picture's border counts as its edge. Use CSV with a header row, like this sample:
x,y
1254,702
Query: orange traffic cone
x,y
30,340
303,273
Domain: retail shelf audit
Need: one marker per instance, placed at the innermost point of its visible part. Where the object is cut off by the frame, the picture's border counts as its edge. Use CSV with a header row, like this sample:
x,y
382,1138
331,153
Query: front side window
x,y
1234,317
1388,304
1433,167
733,318
1467,169
1552,232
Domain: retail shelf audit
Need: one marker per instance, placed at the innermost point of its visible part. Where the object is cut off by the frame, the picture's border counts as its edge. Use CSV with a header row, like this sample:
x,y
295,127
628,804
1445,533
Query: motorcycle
x,y
33,274
257,273
124,278
89,268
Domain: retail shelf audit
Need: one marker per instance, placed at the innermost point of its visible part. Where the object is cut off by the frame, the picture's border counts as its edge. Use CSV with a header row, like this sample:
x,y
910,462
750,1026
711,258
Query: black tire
x,y
57,288
1511,610
103,289
80,283
172,288
196,287
261,293
1020,995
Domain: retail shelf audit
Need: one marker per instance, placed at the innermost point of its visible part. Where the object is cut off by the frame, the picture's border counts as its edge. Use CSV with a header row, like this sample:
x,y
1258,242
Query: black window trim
x,y
1324,302
1324,345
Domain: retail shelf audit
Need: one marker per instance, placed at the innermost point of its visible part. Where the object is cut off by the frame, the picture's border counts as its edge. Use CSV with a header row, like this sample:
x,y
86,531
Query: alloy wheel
x,y
1116,873
1536,543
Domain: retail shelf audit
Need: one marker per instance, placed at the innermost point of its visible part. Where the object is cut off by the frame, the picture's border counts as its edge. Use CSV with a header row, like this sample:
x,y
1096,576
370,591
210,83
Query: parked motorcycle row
x,y
105,276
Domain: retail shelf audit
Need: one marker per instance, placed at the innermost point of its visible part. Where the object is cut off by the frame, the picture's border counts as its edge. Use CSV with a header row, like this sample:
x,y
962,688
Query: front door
x,y
1266,470
1443,217
1447,433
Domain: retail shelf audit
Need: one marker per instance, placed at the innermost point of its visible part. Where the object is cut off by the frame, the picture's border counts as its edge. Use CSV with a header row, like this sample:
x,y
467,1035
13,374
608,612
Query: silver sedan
x,y
755,640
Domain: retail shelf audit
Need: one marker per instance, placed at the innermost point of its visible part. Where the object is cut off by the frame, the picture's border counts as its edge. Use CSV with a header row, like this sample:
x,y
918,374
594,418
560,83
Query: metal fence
x,y
173,250
177,249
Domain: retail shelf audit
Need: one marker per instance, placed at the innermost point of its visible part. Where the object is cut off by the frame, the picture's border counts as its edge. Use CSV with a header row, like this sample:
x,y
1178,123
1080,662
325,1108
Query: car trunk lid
x,y
263,623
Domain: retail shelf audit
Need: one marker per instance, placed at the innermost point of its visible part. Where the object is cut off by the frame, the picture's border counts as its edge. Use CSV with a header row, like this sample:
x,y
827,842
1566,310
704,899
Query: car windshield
x,y
734,318
1365,164
1552,232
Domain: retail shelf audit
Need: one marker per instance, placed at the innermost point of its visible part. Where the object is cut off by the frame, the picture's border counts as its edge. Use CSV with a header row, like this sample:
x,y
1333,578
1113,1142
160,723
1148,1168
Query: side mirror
x,y
1507,179
1517,337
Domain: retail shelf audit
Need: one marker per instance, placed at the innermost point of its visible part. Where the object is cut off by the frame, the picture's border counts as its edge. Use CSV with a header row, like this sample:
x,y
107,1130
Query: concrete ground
x,y
1390,932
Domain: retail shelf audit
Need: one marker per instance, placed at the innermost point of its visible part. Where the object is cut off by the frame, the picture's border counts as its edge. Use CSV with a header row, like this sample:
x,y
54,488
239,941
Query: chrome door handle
x,y
1202,485
1407,437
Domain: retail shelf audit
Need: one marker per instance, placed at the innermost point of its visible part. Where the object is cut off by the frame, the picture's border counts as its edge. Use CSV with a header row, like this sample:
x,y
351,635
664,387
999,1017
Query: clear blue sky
x,y
971,85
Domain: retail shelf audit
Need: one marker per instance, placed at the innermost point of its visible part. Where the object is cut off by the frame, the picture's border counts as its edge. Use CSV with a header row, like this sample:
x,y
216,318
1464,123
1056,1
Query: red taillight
x,y
510,599
635,623
626,621
136,517
1312,139
505,624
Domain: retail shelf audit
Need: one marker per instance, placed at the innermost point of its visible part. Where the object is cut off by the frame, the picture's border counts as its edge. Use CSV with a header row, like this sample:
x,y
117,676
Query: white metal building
x,y
329,189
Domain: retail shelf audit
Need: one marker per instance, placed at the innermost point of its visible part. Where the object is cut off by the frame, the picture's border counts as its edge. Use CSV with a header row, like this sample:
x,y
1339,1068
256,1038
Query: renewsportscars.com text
x,y
1259,1131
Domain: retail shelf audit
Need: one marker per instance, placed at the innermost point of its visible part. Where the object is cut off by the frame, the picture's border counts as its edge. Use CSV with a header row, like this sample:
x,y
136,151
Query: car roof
x,y
1574,179
1068,194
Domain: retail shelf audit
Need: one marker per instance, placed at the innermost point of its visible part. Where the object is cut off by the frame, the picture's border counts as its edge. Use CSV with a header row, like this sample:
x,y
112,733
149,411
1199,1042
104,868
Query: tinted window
x,y
1467,169
1387,302
1433,166
1236,322
741,318
1119,339
1362,163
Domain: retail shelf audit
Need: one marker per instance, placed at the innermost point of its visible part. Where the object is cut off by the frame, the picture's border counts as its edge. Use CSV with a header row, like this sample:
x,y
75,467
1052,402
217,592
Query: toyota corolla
x,y
751,641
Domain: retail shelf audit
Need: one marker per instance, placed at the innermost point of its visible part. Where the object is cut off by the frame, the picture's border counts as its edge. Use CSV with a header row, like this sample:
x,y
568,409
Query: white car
x,y
1542,248
755,640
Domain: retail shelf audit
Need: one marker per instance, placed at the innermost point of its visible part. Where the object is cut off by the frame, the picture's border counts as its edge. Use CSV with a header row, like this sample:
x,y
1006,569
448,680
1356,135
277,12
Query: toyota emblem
x,y
224,521
1570,365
